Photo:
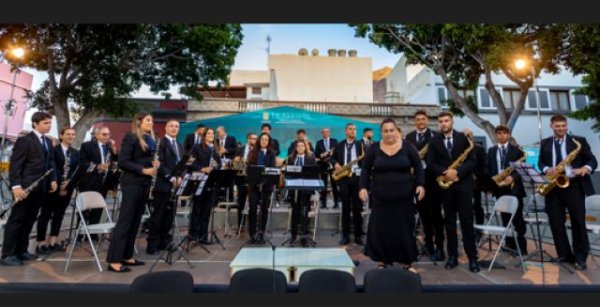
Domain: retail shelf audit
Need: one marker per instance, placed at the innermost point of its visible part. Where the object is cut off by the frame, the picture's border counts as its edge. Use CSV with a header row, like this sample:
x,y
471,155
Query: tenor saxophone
x,y
346,170
560,180
441,180
499,178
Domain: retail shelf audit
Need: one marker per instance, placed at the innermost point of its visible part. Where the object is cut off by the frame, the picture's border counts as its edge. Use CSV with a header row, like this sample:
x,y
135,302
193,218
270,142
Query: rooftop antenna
x,y
268,44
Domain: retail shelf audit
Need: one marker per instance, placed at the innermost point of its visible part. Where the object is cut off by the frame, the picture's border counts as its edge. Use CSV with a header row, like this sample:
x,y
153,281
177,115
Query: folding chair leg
x,y
317,211
72,248
497,251
94,251
241,225
520,254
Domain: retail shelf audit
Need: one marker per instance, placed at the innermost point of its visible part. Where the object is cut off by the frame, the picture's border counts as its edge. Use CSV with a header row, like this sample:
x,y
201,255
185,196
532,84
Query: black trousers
x,y
20,223
571,199
459,200
326,177
257,198
161,220
430,212
128,223
351,203
518,222
201,214
242,189
478,207
300,207
53,209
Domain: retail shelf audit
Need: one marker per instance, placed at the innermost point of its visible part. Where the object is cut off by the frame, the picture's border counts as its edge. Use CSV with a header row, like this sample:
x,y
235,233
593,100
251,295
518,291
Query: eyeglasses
x,y
105,134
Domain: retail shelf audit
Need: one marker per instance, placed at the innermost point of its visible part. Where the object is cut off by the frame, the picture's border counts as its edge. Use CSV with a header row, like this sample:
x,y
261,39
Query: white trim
x,y
492,106
445,106
542,90
572,99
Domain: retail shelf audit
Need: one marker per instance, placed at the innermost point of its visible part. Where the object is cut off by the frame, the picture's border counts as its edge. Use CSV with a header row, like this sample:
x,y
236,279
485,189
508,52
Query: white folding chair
x,y
86,201
592,220
505,204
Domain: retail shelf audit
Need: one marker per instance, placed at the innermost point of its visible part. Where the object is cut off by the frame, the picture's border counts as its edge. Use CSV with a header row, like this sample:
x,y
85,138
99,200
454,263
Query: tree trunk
x,y
83,125
61,111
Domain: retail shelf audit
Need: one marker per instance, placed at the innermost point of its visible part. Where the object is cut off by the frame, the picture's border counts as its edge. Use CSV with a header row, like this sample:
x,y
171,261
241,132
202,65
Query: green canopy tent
x,y
285,121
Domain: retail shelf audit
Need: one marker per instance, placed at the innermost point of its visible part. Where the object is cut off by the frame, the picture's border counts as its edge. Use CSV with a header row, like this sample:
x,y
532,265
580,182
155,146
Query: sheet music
x,y
202,178
307,183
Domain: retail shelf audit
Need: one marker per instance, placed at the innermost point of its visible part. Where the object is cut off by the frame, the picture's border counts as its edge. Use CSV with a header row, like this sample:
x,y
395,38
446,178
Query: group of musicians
x,y
434,173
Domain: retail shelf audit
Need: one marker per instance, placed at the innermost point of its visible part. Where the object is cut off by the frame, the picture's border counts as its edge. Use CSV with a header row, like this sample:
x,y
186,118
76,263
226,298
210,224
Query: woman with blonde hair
x,y
138,166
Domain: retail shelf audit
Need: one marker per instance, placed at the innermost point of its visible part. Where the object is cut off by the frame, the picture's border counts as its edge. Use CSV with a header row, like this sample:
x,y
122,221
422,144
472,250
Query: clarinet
x,y
153,184
66,169
27,190
107,171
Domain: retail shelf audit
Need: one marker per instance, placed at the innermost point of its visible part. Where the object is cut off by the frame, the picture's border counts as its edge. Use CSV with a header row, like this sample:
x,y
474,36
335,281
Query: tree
x,y
93,68
462,54
582,56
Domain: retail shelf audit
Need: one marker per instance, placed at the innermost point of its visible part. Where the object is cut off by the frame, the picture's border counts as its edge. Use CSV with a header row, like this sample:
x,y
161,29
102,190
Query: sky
x,y
285,39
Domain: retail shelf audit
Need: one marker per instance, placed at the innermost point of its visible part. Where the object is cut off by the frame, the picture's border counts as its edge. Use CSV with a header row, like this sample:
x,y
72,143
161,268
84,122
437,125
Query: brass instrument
x,y
281,184
346,170
441,181
423,151
560,180
499,178
239,165
153,184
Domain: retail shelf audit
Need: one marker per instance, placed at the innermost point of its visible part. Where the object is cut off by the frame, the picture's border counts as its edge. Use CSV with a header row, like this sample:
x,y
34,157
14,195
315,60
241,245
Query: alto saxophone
x,y
441,181
423,151
499,178
346,170
560,180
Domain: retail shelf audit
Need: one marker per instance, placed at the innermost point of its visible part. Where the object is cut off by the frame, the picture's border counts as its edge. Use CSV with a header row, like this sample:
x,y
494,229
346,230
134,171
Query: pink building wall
x,y
19,108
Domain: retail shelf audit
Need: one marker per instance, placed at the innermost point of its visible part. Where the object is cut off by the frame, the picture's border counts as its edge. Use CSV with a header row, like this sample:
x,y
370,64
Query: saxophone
x,y
346,170
499,178
560,180
240,166
153,184
441,181
423,151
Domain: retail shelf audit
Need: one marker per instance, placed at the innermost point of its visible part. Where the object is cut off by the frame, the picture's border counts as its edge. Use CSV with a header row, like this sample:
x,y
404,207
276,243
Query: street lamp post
x,y
17,53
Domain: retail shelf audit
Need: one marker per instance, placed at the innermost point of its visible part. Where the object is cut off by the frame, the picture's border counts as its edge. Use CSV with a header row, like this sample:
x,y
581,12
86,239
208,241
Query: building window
x,y
256,91
580,101
510,98
559,101
442,97
531,102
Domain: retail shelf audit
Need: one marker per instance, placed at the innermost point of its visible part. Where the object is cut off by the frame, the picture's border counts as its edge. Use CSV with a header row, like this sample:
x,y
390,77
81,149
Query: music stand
x,y
188,186
302,179
262,176
216,179
530,174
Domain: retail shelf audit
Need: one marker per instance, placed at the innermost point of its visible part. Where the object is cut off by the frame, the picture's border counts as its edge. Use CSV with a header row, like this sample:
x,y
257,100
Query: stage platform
x,y
211,271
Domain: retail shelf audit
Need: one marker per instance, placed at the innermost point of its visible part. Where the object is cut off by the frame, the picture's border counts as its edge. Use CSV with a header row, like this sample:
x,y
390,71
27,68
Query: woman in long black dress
x,y
302,156
386,172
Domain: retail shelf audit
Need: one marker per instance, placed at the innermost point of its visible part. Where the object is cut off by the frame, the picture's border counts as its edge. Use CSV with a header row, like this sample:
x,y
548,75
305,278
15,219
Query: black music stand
x,y
302,179
262,176
531,175
188,186
216,179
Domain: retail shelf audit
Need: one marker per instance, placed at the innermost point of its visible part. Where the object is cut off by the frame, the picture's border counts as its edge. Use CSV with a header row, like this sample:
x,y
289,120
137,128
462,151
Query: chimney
x,y
302,52
341,53
315,52
352,53
331,52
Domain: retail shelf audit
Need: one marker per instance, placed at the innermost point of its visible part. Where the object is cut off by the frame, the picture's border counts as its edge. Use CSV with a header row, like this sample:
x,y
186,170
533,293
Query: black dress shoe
x,y
345,240
580,266
358,241
438,255
134,263
26,256
474,266
451,263
42,250
123,269
205,242
11,261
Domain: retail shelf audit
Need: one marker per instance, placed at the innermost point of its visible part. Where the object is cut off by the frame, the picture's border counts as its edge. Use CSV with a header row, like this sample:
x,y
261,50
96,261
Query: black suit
x,y
292,147
349,190
230,145
161,218
512,154
255,194
56,206
242,186
300,199
458,198
430,207
28,162
325,173
274,146
203,203
135,187
92,181
571,198
189,142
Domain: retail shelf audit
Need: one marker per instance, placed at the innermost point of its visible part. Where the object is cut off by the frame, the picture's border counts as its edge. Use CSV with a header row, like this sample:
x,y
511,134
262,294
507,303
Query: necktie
x,y
261,158
420,137
44,145
176,149
557,149
449,146
349,152
197,140
327,145
503,156
104,152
